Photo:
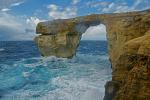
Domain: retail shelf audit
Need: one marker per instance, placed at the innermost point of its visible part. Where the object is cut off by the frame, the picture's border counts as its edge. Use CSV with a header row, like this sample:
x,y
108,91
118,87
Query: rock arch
x,y
128,46
61,37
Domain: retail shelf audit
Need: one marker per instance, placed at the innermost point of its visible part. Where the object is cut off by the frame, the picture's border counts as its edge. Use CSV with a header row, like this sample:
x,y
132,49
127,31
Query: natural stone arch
x,y
62,37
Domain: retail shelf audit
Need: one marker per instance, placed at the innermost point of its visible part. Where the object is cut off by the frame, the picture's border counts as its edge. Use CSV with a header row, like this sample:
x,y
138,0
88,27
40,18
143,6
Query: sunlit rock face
x,y
61,37
128,36
60,45
132,74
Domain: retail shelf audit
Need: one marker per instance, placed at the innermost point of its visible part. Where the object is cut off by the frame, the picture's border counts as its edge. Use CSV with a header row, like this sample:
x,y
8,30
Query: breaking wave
x,y
24,75
80,78
2,49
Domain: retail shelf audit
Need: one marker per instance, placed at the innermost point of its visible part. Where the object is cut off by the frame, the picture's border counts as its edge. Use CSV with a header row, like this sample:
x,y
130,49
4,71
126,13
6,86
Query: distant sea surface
x,y
25,75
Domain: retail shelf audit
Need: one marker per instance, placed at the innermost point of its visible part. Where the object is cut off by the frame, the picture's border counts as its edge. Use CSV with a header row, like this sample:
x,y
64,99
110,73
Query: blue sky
x,y
18,18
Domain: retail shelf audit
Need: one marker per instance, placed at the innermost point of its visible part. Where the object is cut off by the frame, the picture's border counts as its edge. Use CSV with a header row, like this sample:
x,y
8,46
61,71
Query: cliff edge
x,y
128,36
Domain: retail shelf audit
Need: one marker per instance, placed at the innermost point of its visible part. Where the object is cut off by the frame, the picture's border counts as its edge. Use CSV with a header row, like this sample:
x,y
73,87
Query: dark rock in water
x,y
1,93
111,89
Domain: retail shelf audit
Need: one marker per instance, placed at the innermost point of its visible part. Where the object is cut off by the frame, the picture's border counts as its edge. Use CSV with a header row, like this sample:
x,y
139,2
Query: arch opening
x,y
93,50
97,32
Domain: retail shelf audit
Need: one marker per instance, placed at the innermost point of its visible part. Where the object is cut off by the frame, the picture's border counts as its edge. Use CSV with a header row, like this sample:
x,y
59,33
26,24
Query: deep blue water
x,y
25,75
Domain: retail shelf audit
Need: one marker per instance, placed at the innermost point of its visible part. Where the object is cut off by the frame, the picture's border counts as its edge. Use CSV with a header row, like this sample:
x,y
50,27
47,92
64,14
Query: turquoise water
x,y
25,75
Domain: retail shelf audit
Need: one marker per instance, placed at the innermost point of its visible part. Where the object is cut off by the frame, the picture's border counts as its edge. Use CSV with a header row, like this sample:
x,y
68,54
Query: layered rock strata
x,y
128,36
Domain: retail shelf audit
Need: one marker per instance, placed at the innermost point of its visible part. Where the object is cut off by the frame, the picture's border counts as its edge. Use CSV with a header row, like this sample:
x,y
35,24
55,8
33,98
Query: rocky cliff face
x,y
128,36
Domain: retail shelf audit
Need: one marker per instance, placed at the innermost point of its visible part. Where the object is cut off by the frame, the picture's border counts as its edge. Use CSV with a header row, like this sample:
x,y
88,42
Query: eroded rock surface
x,y
132,72
128,36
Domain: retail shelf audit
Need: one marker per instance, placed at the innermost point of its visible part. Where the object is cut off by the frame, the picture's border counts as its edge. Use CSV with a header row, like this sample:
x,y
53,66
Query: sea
x,y
26,75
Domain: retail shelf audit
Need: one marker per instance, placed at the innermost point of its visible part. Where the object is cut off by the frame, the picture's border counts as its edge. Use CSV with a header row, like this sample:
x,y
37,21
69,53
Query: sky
x,y
18,18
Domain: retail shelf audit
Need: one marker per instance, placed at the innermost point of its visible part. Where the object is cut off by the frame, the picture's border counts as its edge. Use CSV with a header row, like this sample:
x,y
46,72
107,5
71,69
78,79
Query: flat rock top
x,y
62,25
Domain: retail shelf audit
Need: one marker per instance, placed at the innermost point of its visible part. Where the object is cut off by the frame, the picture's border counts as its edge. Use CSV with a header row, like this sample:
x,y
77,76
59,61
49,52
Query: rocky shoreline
x,y
128,36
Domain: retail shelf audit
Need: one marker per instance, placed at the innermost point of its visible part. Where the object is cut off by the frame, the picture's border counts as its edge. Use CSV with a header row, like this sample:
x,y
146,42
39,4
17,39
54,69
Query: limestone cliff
x,y
128,36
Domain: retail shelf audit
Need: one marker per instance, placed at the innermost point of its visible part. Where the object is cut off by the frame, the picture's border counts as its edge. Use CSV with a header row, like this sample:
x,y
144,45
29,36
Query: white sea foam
x,y
2,49
26,74
76,89
83,79
72,87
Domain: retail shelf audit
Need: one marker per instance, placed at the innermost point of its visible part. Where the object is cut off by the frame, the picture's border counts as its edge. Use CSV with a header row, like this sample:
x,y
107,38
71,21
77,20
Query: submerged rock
x,y
111,89
128,36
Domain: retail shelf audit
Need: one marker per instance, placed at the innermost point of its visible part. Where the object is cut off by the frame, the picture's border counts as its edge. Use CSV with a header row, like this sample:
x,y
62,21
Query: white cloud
x,y
8,3
52,7
16,4
97,4
5,5
95,33
33,21
15,28
75,1
117,7
56,12
144,3
5,9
